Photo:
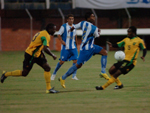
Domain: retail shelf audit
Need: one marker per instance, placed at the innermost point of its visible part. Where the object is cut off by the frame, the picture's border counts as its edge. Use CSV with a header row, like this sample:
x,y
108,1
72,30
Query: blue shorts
x,y
85,55
68,54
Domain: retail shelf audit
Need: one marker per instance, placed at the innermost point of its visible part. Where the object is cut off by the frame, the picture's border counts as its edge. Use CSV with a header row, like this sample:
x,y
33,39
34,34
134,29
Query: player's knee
x,y
24,73
61,62
79,66
48,68
110,71
74,61
105,53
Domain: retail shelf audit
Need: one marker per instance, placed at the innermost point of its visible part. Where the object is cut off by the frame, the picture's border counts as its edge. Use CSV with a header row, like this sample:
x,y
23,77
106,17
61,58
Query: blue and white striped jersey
x,y
90,32
67,37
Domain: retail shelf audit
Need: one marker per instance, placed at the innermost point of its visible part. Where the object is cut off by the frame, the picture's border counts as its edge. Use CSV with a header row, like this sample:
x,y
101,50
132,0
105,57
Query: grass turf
x,y
27,94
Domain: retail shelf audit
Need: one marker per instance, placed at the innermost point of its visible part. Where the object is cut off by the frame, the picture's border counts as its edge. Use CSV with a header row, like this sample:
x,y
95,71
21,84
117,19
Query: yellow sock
x,y
14,73
110,81
47,76
117,81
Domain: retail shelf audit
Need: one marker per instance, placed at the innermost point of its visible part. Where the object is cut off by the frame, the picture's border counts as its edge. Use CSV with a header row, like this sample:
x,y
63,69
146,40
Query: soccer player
x,y
87,48
132,45
34,54
68,45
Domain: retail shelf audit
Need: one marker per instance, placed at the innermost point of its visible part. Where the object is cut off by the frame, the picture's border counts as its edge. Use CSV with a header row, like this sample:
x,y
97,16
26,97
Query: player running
x,y
87,48
132,45
34,54
68,45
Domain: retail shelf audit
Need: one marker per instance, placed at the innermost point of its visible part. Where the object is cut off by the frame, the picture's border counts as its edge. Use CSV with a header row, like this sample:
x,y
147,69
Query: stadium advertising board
x,y
111,4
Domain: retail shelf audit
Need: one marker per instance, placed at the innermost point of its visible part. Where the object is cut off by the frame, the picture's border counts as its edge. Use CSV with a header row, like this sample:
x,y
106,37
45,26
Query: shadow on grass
x,y
79,90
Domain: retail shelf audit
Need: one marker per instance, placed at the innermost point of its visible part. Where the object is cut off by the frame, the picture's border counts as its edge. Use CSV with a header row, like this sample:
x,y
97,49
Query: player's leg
x,y
74,77
68,73
59,64
41,61
83,57
64,56
103,52
27,65
74,56
112,70
124,68
110,81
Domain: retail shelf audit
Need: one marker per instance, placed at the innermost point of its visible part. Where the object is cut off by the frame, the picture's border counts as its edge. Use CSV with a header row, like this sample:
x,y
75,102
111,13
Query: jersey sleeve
x,y
96,33
77,26
44,41
61,30
121,43
142,45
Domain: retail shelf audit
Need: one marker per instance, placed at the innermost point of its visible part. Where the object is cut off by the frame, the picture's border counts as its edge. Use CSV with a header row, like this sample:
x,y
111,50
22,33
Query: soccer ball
x,y
119,55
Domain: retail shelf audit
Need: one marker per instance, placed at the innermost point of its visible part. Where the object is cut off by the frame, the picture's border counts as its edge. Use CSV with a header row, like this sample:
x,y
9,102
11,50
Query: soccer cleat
x,y
118,87
62,82
53,76
99,88
75,78
104,75
3,77
52,91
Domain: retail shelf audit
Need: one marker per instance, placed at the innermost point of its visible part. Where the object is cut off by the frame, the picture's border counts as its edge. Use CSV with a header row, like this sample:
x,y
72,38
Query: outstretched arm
x,y
112,45
48,51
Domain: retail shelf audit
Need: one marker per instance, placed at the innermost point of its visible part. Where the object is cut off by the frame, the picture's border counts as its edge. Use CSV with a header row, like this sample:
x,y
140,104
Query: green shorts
x,y
30,60
124,66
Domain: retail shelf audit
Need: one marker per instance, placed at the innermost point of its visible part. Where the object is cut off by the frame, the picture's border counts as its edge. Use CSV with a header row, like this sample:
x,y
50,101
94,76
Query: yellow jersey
x,y
38,42
131,48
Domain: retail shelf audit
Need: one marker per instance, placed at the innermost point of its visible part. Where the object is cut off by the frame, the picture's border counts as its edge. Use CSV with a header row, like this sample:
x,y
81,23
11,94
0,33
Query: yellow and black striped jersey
x,y
38,42
132,47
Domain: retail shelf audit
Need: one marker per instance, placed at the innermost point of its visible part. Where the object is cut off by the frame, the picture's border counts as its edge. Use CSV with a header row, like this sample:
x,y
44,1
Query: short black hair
x,y
133,28
69,15
87,15
49,26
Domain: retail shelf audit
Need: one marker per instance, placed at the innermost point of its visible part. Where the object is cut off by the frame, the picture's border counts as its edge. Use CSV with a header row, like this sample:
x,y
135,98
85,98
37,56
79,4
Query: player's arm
x,y
60,38
97,33
76,40
48,51
112,45
144,54
117,45
76,26
60,32
46,48
143,47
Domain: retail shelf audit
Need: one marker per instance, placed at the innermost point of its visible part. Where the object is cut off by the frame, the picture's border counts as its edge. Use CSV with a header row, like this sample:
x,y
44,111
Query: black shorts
x,y
30,60
124,66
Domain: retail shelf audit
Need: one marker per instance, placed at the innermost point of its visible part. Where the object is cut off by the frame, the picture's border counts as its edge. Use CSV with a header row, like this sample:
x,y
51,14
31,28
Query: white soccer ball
x,y
119,55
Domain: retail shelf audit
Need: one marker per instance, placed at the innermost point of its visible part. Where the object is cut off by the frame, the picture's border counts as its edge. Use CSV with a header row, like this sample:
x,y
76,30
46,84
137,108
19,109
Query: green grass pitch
x,y
27,94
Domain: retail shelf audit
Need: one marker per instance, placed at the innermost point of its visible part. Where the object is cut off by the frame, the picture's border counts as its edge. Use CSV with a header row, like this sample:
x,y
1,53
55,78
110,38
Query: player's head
x,y
51,28
70,19
132,31
89,16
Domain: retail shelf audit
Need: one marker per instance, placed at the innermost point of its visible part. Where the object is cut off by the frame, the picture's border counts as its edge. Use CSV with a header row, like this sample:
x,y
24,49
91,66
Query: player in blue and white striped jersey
x,y
87,47
68,45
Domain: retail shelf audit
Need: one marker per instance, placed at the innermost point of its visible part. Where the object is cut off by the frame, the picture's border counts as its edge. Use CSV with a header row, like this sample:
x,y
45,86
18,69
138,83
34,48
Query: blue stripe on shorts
x,y
85,55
